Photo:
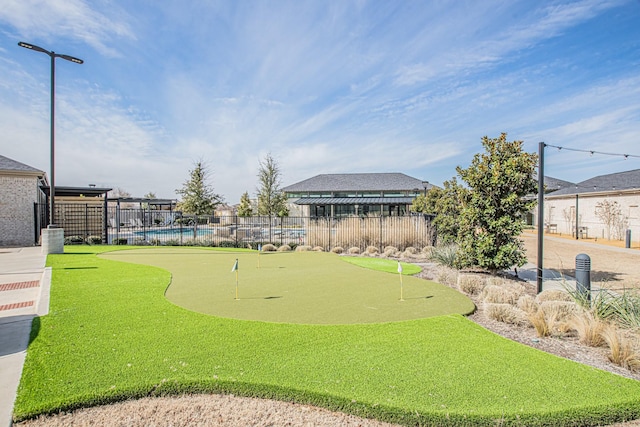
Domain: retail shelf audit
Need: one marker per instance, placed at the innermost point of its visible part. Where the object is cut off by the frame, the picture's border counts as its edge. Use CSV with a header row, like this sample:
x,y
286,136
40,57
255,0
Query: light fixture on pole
x,y
53,57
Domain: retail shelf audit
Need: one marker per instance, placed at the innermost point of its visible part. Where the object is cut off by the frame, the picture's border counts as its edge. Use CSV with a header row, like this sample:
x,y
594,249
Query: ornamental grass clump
x,y
507,294
539,322
447,276
527,303
391,251
505,313
354,250
589,328
471,284
284,248
337,249
553,295
444,255
269,248
318,249
558,315
371,250
621,350
303,248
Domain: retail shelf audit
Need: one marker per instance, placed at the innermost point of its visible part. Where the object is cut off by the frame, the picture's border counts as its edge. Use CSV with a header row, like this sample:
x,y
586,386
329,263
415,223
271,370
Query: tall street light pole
x,y
53,56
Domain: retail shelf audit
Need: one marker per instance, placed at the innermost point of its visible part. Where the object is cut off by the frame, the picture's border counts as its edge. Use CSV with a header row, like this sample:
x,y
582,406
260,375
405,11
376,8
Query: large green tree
x,y
447,204
271,200
198,197
245,209
492,217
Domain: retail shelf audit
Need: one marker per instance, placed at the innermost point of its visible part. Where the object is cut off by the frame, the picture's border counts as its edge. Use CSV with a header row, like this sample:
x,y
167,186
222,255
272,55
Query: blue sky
x,y
324,86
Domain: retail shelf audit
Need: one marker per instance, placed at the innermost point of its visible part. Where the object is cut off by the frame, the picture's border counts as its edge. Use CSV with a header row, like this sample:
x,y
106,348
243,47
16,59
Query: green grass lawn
x,y
112,335
297,287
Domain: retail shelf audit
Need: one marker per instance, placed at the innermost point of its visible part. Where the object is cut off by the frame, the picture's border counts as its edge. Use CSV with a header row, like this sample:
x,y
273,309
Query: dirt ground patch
x,y
612,267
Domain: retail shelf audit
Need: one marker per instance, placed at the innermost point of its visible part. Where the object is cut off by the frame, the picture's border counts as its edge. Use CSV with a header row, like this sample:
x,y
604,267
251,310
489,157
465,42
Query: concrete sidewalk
x,y
24,294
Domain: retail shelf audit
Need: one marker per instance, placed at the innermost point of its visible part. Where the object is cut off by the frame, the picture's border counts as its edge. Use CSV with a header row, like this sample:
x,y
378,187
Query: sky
x,y
323,86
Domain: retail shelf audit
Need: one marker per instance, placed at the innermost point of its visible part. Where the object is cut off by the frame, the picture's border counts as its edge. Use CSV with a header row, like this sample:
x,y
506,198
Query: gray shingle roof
x,y
10,165
357,182
628,180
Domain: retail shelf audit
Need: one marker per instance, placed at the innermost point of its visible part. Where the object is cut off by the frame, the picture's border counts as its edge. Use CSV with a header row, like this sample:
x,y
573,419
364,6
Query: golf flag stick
x,y
400,272
235,268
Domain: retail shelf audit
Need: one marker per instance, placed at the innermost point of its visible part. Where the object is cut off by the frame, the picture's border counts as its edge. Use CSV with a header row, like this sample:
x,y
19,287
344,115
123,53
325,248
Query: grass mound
x,y
112,336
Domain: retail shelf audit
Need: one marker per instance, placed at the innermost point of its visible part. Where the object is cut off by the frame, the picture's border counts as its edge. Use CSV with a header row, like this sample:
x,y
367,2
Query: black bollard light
x,y
583,276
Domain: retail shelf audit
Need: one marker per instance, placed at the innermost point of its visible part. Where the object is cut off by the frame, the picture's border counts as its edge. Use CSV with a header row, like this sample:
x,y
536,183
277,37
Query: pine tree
x,y
198,197
245,209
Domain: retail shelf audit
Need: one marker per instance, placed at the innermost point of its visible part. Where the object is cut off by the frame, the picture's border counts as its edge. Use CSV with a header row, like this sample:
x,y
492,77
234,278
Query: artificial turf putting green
x,y
111,335
294,287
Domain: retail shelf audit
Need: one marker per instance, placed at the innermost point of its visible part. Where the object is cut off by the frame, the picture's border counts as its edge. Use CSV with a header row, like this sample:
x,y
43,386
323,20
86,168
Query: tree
x,y
271,199
198,197
150,195
447,203
492,218
610,214
245,209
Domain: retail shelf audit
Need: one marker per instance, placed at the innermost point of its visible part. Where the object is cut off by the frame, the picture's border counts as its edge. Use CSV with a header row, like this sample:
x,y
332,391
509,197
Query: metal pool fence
x,y
163,227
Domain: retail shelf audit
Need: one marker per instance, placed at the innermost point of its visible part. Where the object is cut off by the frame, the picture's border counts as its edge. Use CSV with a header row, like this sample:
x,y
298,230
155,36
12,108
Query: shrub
x,y
354,251
505,313
303,248
141,242
470,284
120,241
94,240
268,248
444,255
621,351
589,328
73,240
284,248
411,250
227,244
337,250
318,249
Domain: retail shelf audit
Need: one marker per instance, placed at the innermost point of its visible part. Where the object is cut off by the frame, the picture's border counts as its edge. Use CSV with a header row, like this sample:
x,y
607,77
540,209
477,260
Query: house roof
x,y
619,181
15,167
358,182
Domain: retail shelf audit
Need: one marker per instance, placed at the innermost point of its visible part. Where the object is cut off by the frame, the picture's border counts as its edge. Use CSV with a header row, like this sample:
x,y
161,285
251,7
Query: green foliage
x,y
198,197
245,209
444,255
271,199
419,204
492,218
112,336
447,203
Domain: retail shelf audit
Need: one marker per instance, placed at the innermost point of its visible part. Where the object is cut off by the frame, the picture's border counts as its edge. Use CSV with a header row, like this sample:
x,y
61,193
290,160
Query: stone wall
x,y
17,196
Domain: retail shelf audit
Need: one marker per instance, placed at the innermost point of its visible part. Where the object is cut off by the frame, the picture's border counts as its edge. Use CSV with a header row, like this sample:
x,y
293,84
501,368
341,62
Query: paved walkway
x,y
24,294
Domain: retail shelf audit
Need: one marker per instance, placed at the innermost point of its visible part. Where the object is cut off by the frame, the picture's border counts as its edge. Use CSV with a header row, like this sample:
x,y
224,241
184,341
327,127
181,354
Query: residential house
x,y
580,207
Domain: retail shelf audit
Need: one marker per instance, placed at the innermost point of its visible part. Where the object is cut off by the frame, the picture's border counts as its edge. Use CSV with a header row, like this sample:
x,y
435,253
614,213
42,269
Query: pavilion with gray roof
x,y
339,195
